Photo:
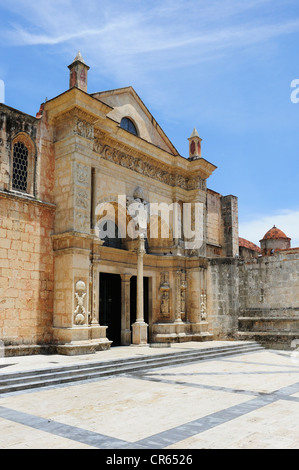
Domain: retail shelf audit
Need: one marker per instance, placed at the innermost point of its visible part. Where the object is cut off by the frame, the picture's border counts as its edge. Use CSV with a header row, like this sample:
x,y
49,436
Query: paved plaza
x,y
244,401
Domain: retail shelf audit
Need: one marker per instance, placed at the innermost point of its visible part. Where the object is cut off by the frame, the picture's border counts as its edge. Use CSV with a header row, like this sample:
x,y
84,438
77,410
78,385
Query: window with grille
x,y
20,167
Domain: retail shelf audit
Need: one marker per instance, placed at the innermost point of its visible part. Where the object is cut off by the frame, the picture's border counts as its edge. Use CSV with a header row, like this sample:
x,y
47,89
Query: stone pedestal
x,y
140,327
181,332
139,333
80,340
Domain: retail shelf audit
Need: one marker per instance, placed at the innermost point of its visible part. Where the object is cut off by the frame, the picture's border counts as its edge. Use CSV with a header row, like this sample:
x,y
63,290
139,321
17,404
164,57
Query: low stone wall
x,y
269,299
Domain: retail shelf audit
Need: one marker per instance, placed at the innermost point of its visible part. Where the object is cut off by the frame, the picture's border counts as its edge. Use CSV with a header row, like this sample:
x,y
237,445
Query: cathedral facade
x,y
108,236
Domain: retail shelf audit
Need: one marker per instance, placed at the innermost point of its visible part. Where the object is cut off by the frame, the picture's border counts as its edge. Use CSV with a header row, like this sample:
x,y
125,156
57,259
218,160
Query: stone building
x,y
88,165
109,237
269,293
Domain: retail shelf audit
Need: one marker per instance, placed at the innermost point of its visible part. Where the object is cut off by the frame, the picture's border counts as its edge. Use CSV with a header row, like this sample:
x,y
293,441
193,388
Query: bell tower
x,y
194,145
78,73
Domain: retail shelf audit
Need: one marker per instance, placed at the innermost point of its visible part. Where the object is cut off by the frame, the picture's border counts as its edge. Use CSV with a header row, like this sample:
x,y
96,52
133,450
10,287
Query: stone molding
x,y
83,125
139,165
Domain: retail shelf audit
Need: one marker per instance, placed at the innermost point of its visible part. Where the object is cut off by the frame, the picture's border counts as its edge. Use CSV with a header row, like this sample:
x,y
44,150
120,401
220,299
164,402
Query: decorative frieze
x,y
135,163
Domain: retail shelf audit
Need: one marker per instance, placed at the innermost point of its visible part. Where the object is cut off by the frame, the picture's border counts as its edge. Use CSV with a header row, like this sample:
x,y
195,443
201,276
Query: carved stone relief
x,y
83,128
203,306
81,198
80,311
82,174
165,295
135,163
139,211
181,293
82,221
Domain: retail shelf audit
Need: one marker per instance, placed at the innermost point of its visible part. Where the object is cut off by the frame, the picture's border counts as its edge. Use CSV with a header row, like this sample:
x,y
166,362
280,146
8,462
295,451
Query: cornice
x,y
124,156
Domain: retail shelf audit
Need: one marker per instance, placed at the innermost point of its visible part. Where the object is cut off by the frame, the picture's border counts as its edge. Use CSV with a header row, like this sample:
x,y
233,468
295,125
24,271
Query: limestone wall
x,y
26,271
269,298
223,297
214,229
26,225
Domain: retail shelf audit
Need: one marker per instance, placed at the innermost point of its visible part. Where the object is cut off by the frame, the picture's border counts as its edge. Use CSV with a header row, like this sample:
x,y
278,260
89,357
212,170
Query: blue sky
x,y
222,66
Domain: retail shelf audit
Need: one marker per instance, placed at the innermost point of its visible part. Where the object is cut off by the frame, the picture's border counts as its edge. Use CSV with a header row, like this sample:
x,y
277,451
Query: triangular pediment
x,y
126,103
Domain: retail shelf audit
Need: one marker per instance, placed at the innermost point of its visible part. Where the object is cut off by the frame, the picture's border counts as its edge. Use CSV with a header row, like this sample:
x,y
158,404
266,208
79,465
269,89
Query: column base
x,y
82,347
139,333
80,340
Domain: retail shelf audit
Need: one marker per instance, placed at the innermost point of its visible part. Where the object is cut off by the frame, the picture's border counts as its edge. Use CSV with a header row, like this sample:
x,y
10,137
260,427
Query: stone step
x,y
103,366
13,382
109,363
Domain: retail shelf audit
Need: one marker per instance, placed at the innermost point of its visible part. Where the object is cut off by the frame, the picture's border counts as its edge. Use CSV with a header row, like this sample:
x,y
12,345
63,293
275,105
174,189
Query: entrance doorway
x,y
133,299
110,306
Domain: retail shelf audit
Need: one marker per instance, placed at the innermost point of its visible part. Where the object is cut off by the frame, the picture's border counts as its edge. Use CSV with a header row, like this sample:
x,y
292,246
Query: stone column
x,y
140,327
125,309
97,330
178,316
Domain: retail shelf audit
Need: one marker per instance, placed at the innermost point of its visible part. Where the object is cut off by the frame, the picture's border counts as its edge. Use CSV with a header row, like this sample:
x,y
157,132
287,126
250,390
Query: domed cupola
x,y
274,240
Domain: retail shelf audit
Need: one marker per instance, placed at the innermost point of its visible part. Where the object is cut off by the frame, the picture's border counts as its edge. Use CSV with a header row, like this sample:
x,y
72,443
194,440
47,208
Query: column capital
x,y
125,277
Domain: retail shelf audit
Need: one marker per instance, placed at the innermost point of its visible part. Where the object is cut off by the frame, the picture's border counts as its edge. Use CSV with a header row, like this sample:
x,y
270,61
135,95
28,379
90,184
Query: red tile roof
x,y
275,233
249,245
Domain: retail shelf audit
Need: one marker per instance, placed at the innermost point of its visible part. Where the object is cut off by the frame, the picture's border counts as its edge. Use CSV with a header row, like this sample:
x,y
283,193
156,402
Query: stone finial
x,y
194,145
79,58
78,73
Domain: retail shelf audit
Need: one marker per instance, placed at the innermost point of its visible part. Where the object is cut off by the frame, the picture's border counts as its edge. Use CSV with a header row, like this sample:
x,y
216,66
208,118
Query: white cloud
x,y
287,221
142,35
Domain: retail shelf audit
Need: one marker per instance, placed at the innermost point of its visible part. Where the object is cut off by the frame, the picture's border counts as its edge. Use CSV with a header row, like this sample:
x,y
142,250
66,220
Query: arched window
x,y
128,125
20,167
23,164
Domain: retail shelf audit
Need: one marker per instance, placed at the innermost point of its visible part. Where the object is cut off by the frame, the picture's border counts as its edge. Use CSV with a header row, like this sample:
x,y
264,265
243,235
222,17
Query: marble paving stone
x,y
246,401
274,426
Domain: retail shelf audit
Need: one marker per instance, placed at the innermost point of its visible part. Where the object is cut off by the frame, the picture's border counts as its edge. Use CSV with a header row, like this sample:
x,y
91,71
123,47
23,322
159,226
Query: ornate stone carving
x,y
139,210
203,306
183,287
80,311
82,174
181,295
82,221
165,295
81,198
84,129
135,163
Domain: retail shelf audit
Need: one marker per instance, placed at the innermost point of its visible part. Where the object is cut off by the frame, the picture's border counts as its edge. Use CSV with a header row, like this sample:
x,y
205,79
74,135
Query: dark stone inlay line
x,y
159,440
292,366
262,372
185,431
67,431
172,436
202,386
